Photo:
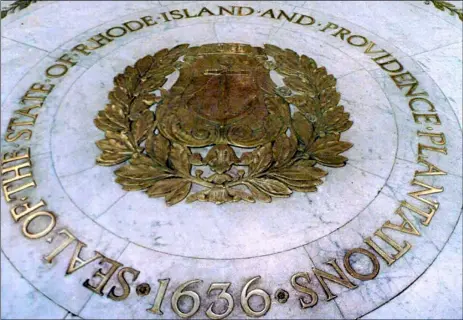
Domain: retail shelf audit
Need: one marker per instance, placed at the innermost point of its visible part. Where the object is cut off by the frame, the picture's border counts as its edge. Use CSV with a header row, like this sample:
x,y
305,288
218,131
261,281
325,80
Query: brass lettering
x,y
432,136
329,26
176,15
25,209
187,14
427,215
124,284
15,156
286,16
28,97
24,132
148,20
12,124
104,276
405,227
428,118
341,33
341,279
82,48
371,46
302,17
299,288
17,172
164,15
42,88
77,262
389,65
411,104
131,28
69,239
268,12
243,13
25,111
230,12
363,41
204,10
350,270
59,70
422,147
406,79
66,58
382,57
432,169
418,195
390,259
45,231
100,40
9,191
116,32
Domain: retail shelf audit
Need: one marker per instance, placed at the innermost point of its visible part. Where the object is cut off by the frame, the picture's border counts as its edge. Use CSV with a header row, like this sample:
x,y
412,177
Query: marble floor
x,y
349,206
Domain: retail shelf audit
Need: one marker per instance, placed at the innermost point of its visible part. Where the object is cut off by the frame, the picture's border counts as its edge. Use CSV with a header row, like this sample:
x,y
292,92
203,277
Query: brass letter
x,y
432,169
329,26
389,259
62,246
355,274
82,48
342,32
429,190
138,24
398,66
65,58
8,192
428,118
117,35
433,136
268,12
18,215
105,276
299,21
62,72
422,147
426,101
299,288
148,20
428,215
42,233
241,13
352,43
342,279
399,80
76,258
406,226
124,284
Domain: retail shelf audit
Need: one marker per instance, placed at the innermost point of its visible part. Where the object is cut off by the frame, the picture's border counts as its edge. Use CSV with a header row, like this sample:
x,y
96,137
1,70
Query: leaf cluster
x,y
20,5
320,119
129,127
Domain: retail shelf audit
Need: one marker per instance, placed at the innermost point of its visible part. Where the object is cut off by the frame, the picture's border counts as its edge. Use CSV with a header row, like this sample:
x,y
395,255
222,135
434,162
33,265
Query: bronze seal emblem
x,y
224,126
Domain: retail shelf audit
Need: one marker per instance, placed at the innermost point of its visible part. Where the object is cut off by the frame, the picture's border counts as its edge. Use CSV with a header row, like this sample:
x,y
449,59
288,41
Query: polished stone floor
x,y
412,100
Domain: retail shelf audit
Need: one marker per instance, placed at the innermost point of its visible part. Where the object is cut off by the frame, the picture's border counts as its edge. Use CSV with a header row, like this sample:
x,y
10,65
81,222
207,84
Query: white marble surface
x,y
234,242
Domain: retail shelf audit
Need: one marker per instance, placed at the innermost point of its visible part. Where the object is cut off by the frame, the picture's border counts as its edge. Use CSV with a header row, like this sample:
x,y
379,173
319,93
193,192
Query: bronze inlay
x,y
225,100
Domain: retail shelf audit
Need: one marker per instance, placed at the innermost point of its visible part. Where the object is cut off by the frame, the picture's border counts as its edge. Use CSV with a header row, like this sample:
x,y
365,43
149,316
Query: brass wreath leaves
x,y
162,168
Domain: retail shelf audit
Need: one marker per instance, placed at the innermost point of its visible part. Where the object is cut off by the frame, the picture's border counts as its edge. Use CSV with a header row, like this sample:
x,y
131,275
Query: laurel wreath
x,y
163,168
17,5
442,5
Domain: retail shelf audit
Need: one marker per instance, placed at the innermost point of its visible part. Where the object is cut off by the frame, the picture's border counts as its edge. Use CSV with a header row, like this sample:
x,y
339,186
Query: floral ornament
x,y
224,100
